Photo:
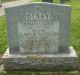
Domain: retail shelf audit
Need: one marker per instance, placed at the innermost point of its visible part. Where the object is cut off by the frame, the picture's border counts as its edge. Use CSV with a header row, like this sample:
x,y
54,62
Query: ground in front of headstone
x,y
3,72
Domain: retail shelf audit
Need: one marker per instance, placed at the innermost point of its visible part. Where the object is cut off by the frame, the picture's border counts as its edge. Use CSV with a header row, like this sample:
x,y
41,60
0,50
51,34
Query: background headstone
x,y
48,1
62,1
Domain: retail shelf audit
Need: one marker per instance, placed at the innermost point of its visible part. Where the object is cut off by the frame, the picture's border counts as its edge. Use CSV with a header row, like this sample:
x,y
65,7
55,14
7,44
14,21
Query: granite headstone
x,y
39,38
36,28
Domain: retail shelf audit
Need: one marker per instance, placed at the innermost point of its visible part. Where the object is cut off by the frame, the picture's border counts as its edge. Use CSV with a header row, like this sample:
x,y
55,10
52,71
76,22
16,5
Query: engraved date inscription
x,y
38,34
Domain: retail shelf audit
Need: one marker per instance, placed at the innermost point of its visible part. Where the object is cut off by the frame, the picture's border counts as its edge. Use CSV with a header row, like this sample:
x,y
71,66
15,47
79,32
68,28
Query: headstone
x,y
39,37
48,1
62,1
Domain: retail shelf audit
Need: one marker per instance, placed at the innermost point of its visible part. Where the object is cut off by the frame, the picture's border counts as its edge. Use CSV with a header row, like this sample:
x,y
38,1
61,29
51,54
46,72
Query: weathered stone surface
x,y
38,28
38,36
41,62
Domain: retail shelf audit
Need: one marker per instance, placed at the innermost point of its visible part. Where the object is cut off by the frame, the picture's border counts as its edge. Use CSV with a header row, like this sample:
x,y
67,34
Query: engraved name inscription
x,y
37,16
38,34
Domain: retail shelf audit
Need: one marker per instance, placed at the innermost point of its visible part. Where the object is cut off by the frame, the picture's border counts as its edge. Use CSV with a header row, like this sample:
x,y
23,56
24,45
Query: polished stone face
x,y
38,28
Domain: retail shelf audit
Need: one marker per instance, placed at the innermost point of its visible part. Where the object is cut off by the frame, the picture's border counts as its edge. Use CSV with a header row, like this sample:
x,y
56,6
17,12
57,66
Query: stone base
x,y
41,62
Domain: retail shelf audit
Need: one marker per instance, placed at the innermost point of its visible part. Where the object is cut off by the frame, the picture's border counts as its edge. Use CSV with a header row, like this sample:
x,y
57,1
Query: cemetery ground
x,y
74,41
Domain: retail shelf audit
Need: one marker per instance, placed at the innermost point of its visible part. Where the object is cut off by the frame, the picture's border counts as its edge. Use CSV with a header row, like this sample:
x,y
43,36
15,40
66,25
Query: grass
x,y
75,25
37,73
75,38
3,35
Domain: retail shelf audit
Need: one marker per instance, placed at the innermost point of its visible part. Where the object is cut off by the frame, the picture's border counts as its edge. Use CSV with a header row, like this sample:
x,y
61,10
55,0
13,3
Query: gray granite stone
x,y
38,35
41,62
38,28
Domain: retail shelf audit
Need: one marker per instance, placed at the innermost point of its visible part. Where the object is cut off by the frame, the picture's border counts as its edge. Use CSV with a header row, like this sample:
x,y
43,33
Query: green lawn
x,y
3,35
75,25
74,40
38,73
